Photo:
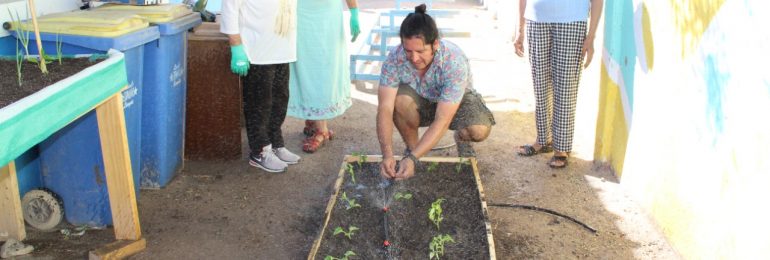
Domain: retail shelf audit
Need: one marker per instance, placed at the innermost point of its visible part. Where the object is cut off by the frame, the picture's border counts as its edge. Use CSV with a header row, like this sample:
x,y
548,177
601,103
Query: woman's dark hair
x,y
419,24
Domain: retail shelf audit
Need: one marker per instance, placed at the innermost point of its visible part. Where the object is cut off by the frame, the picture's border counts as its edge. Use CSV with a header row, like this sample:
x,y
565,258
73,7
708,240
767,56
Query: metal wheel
x,y
42,210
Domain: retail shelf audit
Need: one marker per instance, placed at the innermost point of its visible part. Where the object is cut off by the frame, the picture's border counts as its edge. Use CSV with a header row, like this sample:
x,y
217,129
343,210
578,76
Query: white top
x,y
267,28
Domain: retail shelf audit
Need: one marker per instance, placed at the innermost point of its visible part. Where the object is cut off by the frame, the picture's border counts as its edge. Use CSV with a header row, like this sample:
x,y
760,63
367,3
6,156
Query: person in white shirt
x,y
262,38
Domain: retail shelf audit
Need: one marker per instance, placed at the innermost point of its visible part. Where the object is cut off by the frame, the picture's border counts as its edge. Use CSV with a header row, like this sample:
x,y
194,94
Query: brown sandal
x,y
312,143
309,129
529,150
558,161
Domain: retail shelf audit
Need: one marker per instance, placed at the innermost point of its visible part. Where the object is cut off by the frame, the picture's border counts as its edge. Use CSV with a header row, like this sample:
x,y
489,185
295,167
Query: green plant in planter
x,y
432,166
22,35
402,195
349,203
352,173
348,233
435,212
437,245
19,62
459,165
23,39
361,158
344,257
58,47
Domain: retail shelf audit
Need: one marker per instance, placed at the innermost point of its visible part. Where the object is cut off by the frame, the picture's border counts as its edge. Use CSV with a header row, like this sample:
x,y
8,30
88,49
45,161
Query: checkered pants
x,y
555,56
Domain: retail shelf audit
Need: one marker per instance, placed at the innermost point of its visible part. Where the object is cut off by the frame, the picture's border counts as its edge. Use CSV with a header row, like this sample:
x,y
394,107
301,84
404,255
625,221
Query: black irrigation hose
x,y
543,210
386,243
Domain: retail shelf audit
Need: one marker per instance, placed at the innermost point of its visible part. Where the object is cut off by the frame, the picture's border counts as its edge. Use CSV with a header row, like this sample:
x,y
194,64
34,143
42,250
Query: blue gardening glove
x,y
355,29
239,63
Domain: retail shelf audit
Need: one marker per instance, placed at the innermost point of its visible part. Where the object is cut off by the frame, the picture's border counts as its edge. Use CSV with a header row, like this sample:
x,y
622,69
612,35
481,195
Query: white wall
x,y
43,7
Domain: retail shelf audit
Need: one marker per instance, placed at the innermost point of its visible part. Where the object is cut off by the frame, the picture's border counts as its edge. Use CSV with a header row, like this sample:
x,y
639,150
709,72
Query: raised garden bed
x,y
392,221
28,119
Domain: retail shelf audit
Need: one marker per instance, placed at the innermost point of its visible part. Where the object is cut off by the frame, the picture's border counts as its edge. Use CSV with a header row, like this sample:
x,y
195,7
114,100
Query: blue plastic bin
x,y
28,171
163,97
7,46
71,160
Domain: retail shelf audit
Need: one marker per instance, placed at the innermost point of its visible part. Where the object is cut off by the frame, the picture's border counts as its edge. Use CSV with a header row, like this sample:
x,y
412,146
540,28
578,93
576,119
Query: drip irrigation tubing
x,y
543,210
387,236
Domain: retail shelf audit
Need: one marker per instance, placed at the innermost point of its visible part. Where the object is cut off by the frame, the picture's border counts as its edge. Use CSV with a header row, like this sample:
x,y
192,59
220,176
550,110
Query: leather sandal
x,y
312,143
309,129
529,150
558,161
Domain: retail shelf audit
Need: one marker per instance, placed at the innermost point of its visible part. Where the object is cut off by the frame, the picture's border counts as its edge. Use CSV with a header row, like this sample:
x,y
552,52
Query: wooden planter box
x,y
32,119
404,223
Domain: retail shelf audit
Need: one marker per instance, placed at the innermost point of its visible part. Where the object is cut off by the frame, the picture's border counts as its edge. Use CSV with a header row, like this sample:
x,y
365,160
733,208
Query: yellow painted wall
x,y
611,129
697,155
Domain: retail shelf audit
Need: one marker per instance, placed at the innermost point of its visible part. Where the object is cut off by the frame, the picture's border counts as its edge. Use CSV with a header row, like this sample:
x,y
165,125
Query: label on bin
x,y
176,75
128,95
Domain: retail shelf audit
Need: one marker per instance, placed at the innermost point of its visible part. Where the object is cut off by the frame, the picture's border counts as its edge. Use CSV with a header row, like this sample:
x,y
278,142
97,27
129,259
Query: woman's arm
x,y
588,44
518,43
355,28
596,14
352,3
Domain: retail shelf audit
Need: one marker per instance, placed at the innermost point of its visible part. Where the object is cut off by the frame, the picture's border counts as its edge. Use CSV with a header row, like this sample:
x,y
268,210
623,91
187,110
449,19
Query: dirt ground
x,y
229,210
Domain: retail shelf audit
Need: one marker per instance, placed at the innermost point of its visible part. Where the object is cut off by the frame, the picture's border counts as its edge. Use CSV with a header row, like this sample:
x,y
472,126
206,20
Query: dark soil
x,y
409,230
33,79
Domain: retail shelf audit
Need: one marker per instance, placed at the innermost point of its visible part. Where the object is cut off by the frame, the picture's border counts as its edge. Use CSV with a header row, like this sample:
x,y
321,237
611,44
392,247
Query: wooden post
x,y
37,36
118,250
117,168
11,218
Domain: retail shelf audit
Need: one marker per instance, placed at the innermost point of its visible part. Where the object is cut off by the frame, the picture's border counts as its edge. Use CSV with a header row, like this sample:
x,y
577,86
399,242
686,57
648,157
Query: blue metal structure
x,y
376,45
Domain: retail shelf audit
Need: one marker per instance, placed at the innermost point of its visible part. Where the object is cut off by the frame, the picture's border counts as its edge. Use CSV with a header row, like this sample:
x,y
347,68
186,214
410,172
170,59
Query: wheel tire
x,y
42,210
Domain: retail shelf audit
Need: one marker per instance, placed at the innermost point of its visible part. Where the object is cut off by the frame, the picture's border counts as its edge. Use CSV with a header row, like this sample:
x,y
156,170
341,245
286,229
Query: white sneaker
x,y
268,161
12,248
286,156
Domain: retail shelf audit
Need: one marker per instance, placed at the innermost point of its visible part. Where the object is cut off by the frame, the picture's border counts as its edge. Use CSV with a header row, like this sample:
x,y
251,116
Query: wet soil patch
x,y
33,79
406,225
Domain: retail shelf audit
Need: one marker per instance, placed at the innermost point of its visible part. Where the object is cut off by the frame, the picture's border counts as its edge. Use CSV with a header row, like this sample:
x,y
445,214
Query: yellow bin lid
x,y
151,13
87,23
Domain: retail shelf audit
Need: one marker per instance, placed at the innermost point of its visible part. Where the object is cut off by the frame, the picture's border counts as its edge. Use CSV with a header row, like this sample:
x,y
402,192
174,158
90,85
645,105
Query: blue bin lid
x,y
180,24
121,43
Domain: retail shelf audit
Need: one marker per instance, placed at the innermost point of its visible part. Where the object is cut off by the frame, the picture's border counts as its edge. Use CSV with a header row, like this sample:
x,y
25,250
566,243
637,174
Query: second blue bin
x,y
164,95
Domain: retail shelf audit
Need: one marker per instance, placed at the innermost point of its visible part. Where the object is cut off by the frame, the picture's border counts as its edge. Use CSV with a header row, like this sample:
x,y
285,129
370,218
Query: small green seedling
x,y
344,257
23,39
432,166
435,212
348,234
361,158
21,33
58,47
402,195
459,165
437,245
352,173
19,63
350,203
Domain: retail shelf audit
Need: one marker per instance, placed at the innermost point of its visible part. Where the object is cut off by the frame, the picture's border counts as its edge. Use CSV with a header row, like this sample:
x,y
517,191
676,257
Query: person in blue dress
x,y
319,83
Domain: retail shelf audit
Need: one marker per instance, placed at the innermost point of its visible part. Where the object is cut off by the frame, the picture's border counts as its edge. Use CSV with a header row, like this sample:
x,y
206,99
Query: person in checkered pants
x,y
560,36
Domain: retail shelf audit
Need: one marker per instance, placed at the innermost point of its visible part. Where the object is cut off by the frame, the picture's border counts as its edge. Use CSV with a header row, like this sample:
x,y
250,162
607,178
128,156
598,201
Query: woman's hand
x,y
588,50
518,43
